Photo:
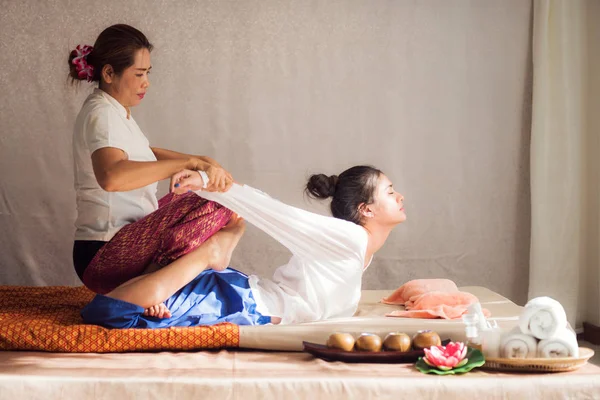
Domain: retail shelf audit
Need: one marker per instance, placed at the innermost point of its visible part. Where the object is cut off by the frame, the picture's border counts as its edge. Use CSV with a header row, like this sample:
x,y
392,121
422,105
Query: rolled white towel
x,y
563,344
516,344
542,317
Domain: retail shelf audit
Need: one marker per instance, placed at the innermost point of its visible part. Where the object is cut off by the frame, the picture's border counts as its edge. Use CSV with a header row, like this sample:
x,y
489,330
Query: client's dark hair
x,y
351,188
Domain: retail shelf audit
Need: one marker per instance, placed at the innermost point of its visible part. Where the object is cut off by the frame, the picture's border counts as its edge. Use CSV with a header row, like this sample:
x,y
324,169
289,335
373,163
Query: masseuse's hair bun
x,y
115,46
321,186
73,72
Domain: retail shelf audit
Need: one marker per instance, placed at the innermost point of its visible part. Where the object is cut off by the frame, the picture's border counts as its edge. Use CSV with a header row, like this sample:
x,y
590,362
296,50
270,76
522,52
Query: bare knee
x,y
152,267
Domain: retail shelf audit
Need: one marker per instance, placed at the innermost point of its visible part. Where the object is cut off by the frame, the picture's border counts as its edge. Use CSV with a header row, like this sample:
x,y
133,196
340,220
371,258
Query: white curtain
x,y
564,150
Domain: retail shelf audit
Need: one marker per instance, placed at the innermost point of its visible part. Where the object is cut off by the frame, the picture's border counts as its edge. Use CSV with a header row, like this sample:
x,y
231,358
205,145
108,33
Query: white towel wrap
x,y
205,179
542,317
516,344
563,344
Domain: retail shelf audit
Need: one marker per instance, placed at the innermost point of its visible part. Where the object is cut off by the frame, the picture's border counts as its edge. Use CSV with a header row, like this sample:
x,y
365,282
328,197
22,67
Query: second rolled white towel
x,y
562,344
542,317
516,344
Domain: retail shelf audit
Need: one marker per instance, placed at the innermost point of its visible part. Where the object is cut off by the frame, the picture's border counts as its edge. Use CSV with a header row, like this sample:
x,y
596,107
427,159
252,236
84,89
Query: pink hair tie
x,y
84,70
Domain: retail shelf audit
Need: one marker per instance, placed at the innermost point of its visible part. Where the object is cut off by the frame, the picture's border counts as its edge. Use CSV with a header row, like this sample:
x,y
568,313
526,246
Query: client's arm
x,y
304,233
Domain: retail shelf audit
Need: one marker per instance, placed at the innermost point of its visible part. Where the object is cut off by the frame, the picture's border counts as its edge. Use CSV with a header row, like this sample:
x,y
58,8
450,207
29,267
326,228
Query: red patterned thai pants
x,y
181,224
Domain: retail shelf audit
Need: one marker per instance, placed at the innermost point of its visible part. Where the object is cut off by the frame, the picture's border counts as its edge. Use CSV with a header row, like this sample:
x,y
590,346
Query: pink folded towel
x,y
438,305
412,289
431,298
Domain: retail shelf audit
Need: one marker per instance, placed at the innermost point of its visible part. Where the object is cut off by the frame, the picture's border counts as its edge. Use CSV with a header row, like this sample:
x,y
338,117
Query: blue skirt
x,y
211,298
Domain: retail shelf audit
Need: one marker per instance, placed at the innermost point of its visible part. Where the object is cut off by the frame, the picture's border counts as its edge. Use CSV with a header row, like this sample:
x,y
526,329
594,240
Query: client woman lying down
x,y
321,280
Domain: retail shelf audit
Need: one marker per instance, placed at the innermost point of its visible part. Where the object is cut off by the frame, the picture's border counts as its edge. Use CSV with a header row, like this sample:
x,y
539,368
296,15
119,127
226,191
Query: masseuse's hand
x,y
219,180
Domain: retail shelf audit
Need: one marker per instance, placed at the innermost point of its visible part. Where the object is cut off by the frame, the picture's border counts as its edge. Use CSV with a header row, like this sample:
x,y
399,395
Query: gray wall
x,y
436,93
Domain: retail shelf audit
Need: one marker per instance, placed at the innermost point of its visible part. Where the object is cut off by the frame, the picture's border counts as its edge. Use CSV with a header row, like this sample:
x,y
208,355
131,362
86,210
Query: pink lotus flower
x,y
446,357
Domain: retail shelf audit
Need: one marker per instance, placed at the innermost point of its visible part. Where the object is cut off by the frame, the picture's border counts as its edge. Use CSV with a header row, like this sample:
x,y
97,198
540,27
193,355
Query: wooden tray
x,y
539,364
329,354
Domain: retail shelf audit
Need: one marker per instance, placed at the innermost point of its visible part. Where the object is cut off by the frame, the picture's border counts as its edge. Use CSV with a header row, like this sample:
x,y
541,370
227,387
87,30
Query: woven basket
x,y
539,364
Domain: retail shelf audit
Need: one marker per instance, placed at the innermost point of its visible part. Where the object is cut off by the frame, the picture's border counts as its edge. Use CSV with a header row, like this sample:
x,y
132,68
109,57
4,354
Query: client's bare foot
x,y
222,243
158,311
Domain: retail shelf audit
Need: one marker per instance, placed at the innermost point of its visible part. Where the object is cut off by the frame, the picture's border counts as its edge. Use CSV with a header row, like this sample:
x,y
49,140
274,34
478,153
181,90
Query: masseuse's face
x,y
130,87
388,206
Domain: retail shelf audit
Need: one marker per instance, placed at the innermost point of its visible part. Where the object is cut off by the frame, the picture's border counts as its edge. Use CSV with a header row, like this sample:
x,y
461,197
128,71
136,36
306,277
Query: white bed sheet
x,y
370,317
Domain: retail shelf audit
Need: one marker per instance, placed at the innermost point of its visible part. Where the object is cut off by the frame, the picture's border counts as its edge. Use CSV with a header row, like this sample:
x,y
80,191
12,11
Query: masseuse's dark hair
x,y
349,190
116,46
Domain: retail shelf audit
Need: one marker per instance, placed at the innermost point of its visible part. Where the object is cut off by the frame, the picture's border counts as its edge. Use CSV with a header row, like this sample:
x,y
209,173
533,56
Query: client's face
x,y
388,207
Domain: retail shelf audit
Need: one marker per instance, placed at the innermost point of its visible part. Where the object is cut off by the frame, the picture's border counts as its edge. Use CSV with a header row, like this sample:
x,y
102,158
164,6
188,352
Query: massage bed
x,y
221,371
47,319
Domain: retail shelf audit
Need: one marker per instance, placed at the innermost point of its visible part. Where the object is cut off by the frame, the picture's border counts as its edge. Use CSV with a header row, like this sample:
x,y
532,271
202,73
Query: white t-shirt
x,y
323,278
102,122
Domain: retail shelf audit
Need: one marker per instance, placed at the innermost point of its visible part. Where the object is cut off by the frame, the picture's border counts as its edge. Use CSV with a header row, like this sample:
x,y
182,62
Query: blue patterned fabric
x,y
211,298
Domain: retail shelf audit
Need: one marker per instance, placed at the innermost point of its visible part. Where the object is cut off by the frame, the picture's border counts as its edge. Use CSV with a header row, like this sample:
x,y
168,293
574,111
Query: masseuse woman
x,y
122,230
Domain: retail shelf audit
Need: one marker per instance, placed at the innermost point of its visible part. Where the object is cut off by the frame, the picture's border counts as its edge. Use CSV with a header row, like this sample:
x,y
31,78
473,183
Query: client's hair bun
x,y
321,186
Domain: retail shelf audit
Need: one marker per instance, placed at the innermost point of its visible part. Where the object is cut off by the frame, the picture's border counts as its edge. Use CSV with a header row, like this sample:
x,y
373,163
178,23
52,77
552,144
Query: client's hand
x,y
186,180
